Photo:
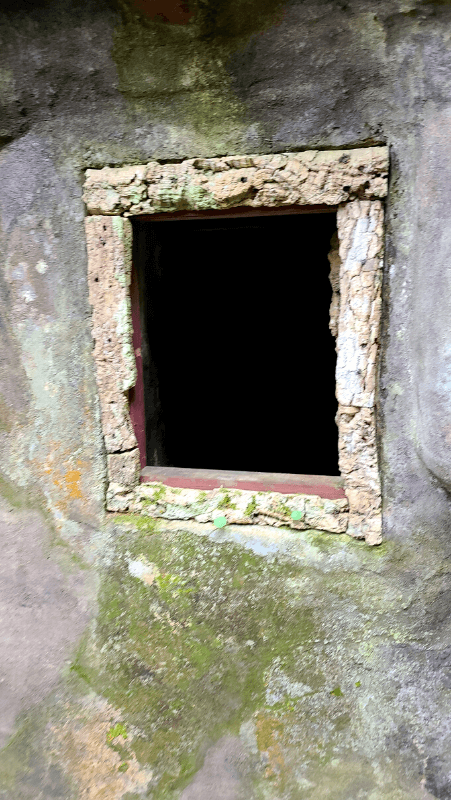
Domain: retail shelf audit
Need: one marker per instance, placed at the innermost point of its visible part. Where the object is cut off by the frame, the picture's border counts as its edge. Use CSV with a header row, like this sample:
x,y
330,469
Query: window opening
x,y
238,358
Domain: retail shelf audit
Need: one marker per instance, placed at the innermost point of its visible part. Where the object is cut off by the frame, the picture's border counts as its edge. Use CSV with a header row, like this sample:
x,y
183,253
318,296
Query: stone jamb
x,y
352,181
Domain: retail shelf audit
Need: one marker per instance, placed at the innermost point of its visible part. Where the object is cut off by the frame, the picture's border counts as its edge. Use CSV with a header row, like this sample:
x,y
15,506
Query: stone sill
x,y
324,486
234,506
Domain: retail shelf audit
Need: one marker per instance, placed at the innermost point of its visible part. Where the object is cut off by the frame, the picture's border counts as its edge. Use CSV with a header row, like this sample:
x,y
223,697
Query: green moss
x,y
223,636
117,730
22,760
159,494
79,672
6,416
238,19
174,656
251,507
146,502
169,72
146,45
282,508
136,521
17,752
65,554
21,497
226,501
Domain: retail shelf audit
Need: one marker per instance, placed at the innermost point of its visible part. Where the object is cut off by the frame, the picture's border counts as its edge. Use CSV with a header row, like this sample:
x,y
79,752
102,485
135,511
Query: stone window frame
x,y
352,182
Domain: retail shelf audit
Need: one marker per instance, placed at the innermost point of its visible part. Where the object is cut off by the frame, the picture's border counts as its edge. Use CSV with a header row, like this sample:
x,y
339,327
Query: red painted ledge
x,y
329,487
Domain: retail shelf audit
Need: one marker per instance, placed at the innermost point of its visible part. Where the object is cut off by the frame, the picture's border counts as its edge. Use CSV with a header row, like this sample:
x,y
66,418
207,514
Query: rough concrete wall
x,y
84,85
242,663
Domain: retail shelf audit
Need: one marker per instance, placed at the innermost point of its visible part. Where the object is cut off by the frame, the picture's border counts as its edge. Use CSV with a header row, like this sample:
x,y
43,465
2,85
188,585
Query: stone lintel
x,y
311,177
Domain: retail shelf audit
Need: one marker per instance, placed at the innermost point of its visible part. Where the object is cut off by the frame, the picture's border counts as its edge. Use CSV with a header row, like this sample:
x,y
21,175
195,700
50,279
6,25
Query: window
x,y
238,358
226,319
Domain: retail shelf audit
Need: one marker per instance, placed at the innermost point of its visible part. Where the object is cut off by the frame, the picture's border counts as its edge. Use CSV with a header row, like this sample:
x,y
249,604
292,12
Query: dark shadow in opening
x,y
238,359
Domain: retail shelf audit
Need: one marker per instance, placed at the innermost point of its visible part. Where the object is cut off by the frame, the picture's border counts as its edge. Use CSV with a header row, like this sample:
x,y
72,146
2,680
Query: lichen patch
x,y
144,570
98,764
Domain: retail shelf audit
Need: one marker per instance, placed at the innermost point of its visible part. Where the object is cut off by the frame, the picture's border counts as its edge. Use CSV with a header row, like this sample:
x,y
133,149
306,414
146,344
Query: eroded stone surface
x,y
90,745
239,507
124,468
308,178
246,662
329,75
109,273
44,608
360,233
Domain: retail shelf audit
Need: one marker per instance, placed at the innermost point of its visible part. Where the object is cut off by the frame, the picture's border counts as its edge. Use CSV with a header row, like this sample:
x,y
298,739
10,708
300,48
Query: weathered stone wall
x,y
84,85
92,85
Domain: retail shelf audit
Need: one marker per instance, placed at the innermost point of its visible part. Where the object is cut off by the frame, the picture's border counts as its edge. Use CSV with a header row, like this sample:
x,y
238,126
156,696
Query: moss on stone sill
x,y
251,507
226,501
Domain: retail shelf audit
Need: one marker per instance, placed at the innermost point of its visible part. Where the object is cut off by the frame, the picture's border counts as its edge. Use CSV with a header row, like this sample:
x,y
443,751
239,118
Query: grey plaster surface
x,y
44,608
222,773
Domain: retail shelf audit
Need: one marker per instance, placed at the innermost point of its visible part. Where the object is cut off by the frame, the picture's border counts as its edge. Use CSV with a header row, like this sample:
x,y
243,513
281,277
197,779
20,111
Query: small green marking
x,y
296,514
117,730
337,692
220,522
123,767
358,684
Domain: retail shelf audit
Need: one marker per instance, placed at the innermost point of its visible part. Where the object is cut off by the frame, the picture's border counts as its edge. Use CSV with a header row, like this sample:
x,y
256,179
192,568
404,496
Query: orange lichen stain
x,y
72,481
99,772
64,474
269,732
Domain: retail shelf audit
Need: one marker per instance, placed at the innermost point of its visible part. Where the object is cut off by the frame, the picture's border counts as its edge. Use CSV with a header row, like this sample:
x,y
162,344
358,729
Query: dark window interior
x,y
238,359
